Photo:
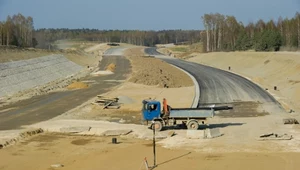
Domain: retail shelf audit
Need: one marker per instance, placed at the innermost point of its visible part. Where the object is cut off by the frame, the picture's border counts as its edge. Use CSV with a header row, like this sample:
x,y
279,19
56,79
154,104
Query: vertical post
x,y
154,147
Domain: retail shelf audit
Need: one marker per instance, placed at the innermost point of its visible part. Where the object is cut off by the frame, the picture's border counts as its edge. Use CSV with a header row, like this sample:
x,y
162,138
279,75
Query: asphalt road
x,y
41,108
219,86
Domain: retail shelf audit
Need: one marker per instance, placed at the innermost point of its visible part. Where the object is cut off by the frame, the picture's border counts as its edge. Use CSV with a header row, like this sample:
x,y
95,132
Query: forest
x,y
136,37
225,33
222,33
17,30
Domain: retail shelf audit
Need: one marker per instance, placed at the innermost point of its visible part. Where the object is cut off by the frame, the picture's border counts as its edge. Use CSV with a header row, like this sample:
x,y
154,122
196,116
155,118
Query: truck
x,y
189,117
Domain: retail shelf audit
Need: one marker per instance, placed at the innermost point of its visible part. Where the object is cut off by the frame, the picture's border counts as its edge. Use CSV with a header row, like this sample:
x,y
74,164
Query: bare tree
x,y
207,23
8,28
220,21
1,33
297,16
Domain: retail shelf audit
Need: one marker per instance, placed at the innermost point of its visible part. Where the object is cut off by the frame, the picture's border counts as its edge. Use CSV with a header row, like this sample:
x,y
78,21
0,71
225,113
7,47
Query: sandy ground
x,y
8,54
90,54
266,69
13,54
90,152
236,149
135,51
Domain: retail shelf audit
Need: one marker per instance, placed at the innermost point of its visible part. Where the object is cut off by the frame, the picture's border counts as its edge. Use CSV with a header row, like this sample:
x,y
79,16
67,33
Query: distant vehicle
x,y
191,117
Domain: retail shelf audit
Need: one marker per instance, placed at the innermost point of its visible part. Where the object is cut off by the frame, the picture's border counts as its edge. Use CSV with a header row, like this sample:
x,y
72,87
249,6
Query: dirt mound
x,y
77,85
111,67
136,51
151,71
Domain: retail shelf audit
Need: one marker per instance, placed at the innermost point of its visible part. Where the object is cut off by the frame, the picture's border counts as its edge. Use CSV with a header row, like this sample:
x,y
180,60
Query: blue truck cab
x,y
151,110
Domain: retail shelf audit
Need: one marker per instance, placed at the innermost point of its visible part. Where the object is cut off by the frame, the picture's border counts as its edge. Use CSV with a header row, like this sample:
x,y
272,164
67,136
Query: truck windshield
x,y
150,106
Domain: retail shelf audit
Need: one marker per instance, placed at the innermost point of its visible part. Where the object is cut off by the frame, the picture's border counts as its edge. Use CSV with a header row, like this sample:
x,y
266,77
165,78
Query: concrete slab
x,y
102,72
195,134
25,74
75,129
116,132
212,133
273,136
97,127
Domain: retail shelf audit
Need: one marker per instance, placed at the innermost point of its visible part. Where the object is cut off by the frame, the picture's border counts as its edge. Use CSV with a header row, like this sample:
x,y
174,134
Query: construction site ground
x,y
75,152
267,69
177,96
238,147
40,108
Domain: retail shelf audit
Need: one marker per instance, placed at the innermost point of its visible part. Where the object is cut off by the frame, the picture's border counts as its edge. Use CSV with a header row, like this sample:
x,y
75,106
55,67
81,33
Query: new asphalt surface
x,y
219,86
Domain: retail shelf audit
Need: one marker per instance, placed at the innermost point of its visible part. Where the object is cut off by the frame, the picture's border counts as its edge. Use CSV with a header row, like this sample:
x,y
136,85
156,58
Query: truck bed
x,y
214,107
191,113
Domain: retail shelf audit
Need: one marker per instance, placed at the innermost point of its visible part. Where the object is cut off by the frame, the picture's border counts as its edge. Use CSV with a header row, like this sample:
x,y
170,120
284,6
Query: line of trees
x,y
225,33
222,33
17,30
146,38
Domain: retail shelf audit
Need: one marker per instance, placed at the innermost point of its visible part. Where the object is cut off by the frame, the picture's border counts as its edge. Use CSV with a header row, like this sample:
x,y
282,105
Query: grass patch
x,y
185,51
180,49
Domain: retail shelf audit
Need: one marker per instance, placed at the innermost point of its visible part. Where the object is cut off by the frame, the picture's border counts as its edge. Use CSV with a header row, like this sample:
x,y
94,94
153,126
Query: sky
x,y
142,14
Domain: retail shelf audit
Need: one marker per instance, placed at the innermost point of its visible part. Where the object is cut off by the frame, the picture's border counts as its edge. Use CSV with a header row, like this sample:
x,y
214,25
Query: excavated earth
x,y
148,70
151,71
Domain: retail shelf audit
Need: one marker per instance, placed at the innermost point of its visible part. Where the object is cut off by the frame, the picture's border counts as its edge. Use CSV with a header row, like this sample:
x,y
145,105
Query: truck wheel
x,y
157,126
193,125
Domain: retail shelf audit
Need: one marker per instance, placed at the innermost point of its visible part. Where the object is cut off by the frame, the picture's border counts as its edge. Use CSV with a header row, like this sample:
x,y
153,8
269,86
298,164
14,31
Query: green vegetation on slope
x,y
179,49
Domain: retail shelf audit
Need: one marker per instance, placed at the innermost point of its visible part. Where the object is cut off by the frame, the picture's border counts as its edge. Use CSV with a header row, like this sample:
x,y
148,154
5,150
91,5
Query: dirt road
x,y
117,51
42,108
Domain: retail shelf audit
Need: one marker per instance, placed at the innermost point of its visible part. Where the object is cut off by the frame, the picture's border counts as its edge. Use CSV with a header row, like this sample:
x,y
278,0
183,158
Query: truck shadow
x,y
201,127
